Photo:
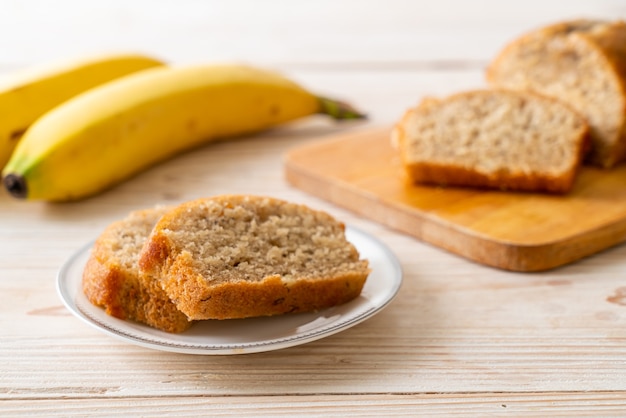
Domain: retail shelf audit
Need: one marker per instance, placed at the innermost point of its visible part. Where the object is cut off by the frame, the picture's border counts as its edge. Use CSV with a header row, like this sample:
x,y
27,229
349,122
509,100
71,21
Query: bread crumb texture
x,y
240,256
582,63
112,280
493,138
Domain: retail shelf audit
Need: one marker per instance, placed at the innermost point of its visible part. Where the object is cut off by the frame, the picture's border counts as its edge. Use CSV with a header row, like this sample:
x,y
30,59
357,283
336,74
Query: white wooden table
x,y
460,338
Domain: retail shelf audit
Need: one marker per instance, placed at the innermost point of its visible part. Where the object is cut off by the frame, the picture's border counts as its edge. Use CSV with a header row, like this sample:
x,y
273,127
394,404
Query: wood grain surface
x,y
460,339
514,231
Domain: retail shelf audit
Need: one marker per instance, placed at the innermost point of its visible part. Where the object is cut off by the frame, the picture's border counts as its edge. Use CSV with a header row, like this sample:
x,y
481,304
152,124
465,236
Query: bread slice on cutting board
x,y
495,139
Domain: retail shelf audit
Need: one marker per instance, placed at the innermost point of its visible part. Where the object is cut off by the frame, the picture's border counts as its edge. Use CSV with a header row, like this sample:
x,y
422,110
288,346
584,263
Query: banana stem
x,y
339,110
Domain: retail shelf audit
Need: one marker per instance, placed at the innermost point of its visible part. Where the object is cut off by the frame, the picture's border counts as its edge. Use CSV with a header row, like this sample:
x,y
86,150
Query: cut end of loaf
x,y
582,63
494,139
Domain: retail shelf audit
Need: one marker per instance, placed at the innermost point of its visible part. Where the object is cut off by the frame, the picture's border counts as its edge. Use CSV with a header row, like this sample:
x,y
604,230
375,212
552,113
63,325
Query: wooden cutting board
x,y
514,231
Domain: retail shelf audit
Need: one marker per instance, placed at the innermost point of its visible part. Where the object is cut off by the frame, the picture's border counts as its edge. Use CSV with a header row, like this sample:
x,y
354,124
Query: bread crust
x,y
268,297
609,40
101,285
128,294
198,298
449,175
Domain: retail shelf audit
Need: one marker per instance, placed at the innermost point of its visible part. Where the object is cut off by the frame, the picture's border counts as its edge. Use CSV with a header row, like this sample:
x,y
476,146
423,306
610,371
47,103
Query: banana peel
x,y
114,131
27,94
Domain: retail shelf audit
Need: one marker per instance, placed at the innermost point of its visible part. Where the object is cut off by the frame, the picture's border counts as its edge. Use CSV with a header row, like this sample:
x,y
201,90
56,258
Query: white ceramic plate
x,y
240,336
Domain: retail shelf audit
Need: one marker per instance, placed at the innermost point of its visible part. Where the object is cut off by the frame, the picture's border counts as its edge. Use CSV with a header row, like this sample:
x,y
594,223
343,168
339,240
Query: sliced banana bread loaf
x,y
242,256
581,62
493,138
112,280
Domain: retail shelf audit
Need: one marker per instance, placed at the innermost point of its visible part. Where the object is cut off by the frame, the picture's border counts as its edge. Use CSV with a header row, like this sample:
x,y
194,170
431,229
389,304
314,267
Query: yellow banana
x,y
28,94
113,131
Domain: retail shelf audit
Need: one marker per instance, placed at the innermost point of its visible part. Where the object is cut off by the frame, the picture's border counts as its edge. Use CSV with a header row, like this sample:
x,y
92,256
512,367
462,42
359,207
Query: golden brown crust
x,y
127,294
101,285
609,39
271,296
448,175
199,299
154,252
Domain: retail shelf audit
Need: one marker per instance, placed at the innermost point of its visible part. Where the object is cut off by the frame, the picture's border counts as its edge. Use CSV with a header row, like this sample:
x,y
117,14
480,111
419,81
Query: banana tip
x,y
15,185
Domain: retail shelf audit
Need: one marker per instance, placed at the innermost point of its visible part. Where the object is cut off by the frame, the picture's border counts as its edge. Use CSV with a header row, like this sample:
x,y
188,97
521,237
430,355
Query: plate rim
x,y
68,297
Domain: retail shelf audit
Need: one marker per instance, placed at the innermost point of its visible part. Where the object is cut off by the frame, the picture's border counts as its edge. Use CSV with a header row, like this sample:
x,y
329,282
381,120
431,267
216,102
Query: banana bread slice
x,y
493,138
582,63
238,256
111,278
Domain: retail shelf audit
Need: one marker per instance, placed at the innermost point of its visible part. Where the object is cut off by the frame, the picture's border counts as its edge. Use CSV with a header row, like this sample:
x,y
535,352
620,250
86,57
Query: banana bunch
x,y
26,95
113,131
